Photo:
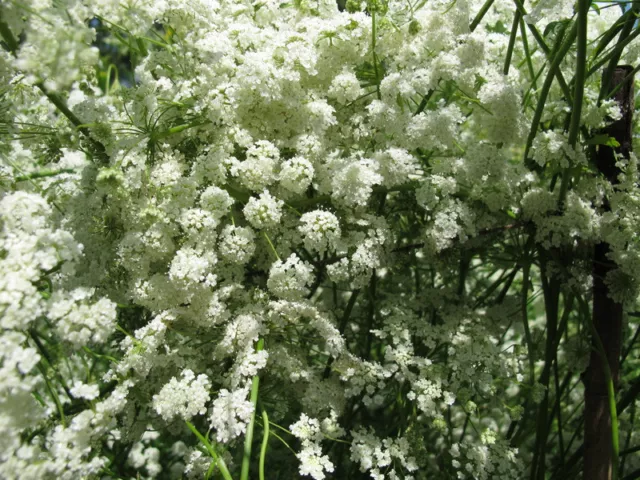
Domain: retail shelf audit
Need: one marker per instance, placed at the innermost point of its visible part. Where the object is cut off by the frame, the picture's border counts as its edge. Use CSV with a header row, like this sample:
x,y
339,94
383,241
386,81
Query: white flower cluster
x,y
296,174
289,279
320,230
344,187
265,211
553,147
492,458
237,244
258,170
183,398
230,414
312,461
380,457
79,323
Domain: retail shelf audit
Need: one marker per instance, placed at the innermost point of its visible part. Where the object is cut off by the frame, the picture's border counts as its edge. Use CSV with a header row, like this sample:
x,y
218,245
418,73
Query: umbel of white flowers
x,y
267,232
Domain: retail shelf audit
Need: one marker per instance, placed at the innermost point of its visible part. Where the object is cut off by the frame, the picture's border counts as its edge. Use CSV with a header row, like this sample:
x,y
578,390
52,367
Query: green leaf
x,y
603,139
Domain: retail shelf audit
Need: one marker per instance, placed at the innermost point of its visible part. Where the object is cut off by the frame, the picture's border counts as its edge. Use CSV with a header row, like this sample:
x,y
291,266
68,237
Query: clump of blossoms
x,y
184,398
308,238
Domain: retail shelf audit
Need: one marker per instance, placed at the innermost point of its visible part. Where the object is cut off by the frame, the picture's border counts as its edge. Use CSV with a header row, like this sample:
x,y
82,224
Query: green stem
x,y
49,361
615,52
615,57
248,439
265,443
273,249
12,45
512,42
284,442
578,93
558,408
342,326
627,450
60,105
546,86
371,313
623,82
478,18
607,37
545,48
99,355
216,458
177,129
373,51
527,53
43,174
551,292
53,394
525,317
423,103
611,394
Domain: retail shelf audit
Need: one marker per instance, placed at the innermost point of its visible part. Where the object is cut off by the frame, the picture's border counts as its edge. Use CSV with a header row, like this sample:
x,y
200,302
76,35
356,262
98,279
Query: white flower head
x,y
237,244
353,184
313,463
190,267
320,230
183,398
264,211
296,174
82,390
345,87
258,170
230,414
80,322
289,279
216,201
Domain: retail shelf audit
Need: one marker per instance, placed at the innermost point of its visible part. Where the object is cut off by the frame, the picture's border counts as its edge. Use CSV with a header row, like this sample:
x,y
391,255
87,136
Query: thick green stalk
x,y
527,53
607,37
478,18
525,318
248,439
265,443
43,174
373,51
218,460
512,42
615,57
578,93
60,105
628,77
53,394
551,291
545,48
611,394
546,86
615,52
